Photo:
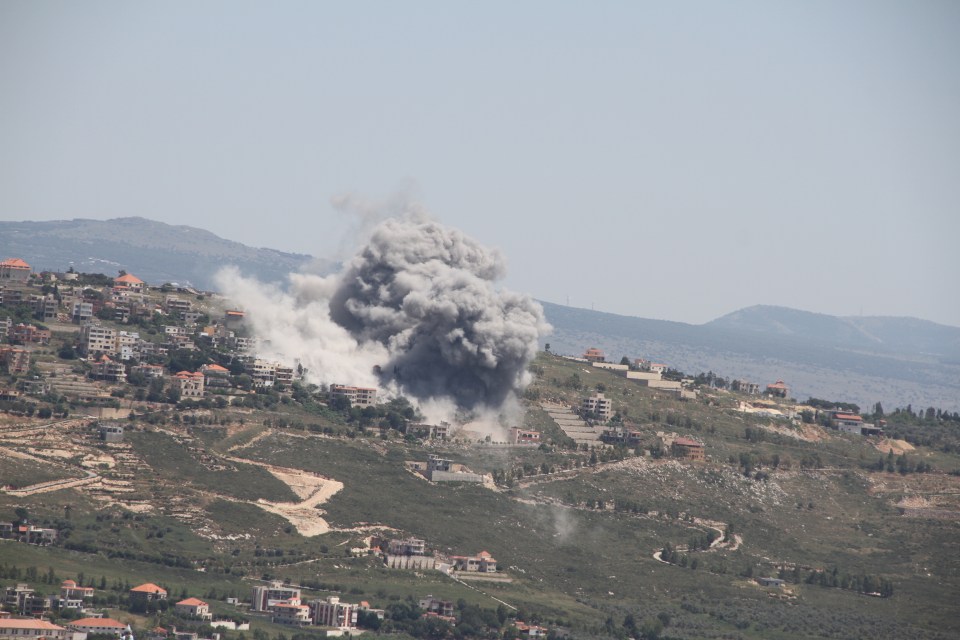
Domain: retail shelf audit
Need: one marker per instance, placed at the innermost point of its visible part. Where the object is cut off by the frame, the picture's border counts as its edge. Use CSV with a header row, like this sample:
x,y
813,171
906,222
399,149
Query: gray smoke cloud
x,y
420,302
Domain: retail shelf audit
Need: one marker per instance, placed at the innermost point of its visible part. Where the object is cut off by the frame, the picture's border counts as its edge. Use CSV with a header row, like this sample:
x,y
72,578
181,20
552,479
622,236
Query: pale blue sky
x,y
674,160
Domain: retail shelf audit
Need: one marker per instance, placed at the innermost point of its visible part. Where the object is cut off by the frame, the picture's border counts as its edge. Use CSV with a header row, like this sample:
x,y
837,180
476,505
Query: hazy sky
x,y
673,160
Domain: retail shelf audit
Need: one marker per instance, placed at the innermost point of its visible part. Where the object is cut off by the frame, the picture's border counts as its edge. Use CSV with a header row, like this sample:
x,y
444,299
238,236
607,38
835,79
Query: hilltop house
x,y
778,389
130,282
594,355
14,271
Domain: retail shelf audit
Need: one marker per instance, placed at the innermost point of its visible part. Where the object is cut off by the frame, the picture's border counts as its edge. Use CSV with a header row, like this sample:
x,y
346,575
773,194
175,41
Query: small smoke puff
x,y
420,301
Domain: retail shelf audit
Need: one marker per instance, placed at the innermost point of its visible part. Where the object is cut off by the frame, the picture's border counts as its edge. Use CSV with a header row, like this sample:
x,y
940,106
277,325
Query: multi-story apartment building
x,y
95,338
358,396
330,612
599,405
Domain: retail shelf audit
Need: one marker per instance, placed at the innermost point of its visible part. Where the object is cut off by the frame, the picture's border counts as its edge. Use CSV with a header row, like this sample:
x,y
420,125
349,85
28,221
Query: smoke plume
x,y
420,303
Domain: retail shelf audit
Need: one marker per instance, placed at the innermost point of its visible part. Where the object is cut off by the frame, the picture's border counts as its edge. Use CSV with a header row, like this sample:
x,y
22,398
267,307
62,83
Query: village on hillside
x,y
98,370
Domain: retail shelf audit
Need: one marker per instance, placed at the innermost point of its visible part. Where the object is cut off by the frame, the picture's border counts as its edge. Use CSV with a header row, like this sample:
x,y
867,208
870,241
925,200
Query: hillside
x,y
155,251
864,360
285,487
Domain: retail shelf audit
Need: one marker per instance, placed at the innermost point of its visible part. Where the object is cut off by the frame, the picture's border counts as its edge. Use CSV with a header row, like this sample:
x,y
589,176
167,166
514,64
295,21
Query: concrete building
x,y
265,595
745,386
81,312
106,369
436,605
358,396
290,612
483,562
95,338
330,612
407,547
599,406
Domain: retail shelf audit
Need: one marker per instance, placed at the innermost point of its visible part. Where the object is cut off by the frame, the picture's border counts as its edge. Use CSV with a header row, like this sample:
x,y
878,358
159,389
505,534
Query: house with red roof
x,y
594,355
70,590
215,376
148,591
129,282
14,270
191,384
688,449
194,608
778,389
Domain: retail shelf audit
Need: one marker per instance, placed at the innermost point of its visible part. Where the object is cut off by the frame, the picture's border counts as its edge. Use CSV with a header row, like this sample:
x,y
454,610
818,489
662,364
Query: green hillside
x,y
575,531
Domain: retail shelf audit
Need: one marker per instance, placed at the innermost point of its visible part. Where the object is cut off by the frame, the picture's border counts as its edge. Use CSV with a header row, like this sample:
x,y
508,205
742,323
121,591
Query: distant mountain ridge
x,y
155,251
859,359
896,334
864,360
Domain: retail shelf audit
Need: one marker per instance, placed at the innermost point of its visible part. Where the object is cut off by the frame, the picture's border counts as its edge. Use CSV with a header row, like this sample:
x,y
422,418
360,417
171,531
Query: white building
x,y
333,613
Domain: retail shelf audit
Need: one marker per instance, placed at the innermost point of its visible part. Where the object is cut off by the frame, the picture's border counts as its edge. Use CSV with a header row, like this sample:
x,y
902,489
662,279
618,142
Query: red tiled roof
x,y
214,367
192,602
98,622
777,385
128,278
15,263
848,416
687,442
148,587
30,623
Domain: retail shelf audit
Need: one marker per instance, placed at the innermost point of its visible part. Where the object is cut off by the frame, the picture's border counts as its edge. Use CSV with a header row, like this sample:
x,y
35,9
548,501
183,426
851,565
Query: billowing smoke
x,y
419,302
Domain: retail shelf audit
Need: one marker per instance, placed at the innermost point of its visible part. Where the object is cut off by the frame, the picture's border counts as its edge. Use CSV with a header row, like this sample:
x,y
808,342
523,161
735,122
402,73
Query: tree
x,y
22,514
